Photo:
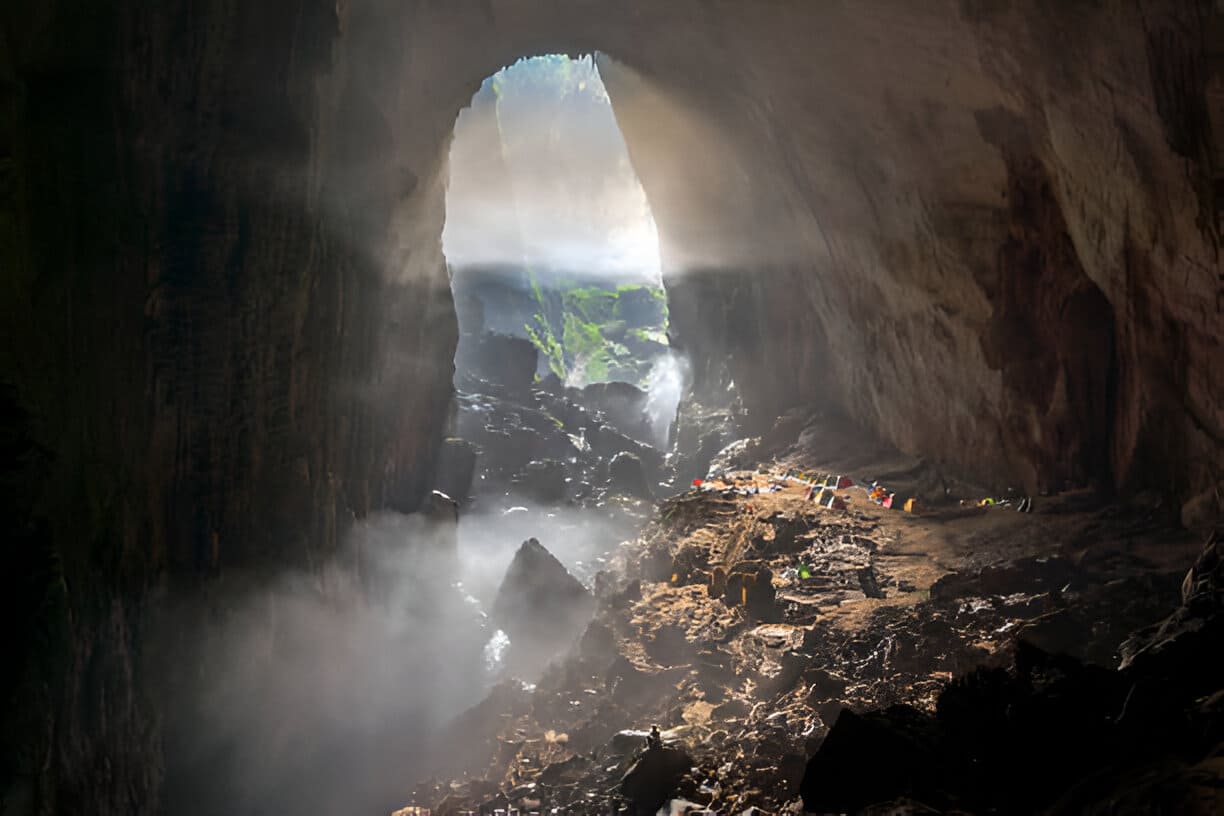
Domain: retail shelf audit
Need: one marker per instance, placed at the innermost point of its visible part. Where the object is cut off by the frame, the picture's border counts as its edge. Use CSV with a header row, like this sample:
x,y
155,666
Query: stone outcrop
x,y
652,779
456,468
627,476
541,606
988,231
507,361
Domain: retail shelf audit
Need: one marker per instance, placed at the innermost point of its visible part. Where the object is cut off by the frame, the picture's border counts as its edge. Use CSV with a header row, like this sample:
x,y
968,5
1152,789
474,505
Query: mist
x,y
669,379
328,691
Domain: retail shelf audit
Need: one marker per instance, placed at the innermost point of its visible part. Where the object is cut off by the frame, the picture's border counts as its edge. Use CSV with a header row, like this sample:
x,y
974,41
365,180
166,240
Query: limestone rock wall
x,y
222,352
996,221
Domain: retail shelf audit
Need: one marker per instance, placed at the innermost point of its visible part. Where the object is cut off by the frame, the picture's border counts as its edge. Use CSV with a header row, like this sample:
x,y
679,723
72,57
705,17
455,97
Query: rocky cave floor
x,y
957,659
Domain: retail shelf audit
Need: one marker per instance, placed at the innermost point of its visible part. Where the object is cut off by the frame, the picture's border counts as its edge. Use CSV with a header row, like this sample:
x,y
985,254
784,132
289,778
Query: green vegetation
x,y
649,336
541,335
586,333
595,334
587,347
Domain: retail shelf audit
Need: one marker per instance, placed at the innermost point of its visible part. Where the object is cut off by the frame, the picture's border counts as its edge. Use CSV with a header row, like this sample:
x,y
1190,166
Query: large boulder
x,y
542,480
1175,653
623,404
497,358
627,476
441,515
540,605
606,441
867,759
652,780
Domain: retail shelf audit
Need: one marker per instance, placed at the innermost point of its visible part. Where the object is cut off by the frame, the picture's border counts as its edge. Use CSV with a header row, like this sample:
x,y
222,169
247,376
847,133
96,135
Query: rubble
x,y
883,657
551,445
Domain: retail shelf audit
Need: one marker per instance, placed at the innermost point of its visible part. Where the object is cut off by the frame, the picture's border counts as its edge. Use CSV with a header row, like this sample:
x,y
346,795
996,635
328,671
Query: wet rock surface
x,y
456,468
498,358
625,406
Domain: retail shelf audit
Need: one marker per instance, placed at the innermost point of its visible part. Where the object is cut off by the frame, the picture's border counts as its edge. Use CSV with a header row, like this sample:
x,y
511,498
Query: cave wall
x,y
996,221
212,338
987,230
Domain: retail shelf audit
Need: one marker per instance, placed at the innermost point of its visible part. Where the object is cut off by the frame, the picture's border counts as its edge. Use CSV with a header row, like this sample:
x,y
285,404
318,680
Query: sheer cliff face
x,y
987,230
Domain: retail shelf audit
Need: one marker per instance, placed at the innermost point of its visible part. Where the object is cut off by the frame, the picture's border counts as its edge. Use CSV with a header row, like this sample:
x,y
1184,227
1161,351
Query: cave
x,y
927,265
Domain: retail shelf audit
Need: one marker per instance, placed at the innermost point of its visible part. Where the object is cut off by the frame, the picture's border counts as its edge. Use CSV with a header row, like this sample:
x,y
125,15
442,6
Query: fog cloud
x,y
327,692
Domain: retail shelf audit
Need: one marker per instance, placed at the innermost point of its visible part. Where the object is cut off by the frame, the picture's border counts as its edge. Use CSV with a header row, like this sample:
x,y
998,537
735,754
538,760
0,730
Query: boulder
x,y
441,514
867,759
738,455
623,404
497,358
627,476
653,778
607,441
542,480
456,468
749,584
761,600
540,604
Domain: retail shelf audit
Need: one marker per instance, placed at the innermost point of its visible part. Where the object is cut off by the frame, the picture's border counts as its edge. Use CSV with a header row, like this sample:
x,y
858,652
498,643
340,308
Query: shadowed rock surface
x,y
539,603
627,475
652,779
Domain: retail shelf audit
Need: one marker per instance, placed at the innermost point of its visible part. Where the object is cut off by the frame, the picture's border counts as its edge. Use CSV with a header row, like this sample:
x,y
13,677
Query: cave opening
x,y
566,386
567,389
549,236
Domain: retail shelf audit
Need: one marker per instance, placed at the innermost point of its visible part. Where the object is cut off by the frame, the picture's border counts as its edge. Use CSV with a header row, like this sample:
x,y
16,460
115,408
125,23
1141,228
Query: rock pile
x,y
834,690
